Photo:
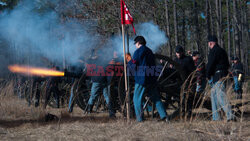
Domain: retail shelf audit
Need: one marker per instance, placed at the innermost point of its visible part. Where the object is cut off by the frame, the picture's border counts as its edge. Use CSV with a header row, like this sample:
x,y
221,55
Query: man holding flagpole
x,y
142,60
143,57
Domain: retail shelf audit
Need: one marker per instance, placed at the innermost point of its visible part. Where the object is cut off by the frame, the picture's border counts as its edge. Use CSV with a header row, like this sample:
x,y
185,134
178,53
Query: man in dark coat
x,y
237,73
200,72
111,80
186,62
187,65
52,88
143,60
217,68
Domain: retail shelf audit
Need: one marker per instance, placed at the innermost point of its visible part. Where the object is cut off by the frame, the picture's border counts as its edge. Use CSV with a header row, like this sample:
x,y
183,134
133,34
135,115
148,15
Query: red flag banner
x,y
126,17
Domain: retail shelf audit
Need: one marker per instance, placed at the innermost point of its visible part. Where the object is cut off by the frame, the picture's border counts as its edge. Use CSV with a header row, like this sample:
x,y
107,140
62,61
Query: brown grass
x,y
20,122
11,107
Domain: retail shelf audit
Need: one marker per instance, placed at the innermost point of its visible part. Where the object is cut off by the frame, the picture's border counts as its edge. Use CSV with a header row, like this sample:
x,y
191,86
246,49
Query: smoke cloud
x,y
33,36
3,3
44,35
154,36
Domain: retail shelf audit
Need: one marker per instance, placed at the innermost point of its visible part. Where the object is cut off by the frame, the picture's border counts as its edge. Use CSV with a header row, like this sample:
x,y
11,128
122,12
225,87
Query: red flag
x,y
126,17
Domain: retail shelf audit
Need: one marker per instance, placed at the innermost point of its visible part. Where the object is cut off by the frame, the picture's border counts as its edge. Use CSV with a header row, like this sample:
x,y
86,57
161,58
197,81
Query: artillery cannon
x,y
169,83
41,90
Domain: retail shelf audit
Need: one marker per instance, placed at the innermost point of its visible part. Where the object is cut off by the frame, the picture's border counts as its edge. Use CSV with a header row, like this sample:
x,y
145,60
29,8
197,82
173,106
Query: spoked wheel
x,y
29,91
82,94
122,95
32,91
169,83
114,96
82,91
20,86
51,92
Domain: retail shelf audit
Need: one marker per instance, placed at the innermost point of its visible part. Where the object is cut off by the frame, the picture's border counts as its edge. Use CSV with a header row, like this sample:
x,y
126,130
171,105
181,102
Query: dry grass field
x,y
18,121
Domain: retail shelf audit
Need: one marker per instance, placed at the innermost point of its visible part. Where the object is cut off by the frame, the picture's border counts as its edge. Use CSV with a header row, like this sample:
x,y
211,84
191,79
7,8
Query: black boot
x,y
89,109
57,103
111,109
239,94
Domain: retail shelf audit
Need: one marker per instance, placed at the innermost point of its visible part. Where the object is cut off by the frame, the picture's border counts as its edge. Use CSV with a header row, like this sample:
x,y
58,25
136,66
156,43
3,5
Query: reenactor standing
x,y
237,73
200,72
99,80
187,65
78,70
53,88
143,57
35,91
111,79
217,68
186,62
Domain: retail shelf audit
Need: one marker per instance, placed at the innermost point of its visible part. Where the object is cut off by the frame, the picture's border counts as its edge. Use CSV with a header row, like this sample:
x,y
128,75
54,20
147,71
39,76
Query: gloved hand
x,y
210,81
128,57
112,62
239,78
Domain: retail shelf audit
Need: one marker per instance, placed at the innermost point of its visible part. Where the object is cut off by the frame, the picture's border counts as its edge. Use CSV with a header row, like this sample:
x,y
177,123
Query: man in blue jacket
x,y
144,60
98,78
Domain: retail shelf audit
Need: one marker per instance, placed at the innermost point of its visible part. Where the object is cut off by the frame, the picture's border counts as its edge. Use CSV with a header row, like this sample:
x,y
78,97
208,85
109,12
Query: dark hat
x,y
195,53
179,49
140,39
235,58
212,38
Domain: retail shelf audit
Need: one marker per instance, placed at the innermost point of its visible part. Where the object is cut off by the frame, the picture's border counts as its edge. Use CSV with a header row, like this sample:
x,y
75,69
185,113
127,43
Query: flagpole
x,y
128,93
128,68
125,75
127,39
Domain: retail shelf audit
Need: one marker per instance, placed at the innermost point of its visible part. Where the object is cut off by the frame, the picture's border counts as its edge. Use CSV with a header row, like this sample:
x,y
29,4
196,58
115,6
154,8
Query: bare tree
x,y
244,35
168,27
211,17
175,23
183,29
236,30
208,17
229,29
218,20
208,23
196,24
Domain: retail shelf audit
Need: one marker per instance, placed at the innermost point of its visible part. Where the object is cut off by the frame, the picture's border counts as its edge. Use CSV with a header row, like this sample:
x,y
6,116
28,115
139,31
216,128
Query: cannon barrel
x,y
72,74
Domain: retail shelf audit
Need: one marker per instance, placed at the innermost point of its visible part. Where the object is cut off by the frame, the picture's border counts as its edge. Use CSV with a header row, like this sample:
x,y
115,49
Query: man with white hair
x,y
217,68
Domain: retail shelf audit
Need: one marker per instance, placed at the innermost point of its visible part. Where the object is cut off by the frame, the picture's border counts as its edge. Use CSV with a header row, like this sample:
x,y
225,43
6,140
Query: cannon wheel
x,y
20,86
64,89
169,84
82,92
30,90
122,95
171,94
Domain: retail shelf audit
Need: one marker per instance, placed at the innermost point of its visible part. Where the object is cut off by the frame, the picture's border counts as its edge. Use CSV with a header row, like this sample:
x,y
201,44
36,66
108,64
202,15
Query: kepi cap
x,y
179,49
212,38
195,53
